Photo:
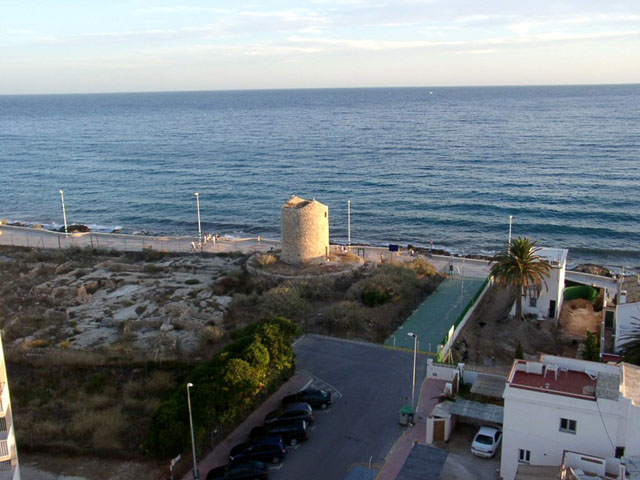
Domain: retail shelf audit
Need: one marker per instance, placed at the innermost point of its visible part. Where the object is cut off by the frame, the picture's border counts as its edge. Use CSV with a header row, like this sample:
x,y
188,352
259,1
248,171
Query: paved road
x,y
374,382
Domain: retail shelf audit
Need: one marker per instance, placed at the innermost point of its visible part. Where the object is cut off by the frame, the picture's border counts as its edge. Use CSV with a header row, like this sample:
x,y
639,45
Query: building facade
x,y
305,231
9,468
545,301
561,404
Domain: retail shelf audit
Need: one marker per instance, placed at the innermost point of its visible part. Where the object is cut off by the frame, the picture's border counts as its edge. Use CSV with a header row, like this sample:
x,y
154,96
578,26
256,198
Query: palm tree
x,y
631,346
520,267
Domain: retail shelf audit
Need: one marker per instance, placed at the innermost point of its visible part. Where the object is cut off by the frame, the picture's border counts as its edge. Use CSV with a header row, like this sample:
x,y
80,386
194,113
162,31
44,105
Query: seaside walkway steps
x,y
432,320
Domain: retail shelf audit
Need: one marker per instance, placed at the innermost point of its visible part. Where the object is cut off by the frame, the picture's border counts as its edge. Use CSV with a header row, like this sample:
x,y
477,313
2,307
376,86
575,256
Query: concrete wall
x,y
305,231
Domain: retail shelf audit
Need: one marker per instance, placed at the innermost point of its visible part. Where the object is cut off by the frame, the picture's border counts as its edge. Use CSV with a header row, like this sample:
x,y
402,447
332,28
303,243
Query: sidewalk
x,y
429,396
220,455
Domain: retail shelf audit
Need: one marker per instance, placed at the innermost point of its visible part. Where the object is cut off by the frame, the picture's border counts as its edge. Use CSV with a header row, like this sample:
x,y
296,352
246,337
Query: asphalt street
x,y
370,384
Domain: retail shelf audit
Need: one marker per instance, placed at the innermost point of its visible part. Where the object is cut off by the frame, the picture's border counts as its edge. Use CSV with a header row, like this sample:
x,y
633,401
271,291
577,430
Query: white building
x,y
9,469
559,404
545,300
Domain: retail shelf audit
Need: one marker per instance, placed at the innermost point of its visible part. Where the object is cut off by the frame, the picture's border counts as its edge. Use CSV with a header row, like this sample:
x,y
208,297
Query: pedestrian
x,y
193,246
258,239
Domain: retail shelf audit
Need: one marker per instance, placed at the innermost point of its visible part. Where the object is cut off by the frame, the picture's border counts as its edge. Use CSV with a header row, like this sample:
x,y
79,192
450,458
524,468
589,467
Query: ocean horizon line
x,y
345,88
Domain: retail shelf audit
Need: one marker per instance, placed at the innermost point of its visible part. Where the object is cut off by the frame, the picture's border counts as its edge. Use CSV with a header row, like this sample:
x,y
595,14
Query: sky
x,y
83,46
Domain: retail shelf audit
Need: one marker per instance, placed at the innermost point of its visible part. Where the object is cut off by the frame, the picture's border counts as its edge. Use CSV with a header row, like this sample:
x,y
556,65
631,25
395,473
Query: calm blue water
x,y
448,167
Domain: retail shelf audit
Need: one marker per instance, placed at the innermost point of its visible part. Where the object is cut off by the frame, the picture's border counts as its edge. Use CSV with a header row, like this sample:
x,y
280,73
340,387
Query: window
x,y
524,456
567,425
533,302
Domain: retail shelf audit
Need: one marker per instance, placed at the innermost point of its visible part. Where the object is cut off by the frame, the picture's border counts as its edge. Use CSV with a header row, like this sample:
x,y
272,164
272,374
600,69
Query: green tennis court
x,y
434,317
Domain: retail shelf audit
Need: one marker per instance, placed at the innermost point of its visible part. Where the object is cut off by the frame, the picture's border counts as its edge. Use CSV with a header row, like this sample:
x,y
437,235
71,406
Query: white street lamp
x,y
349,224
415,356
199,229
510,220
64,214
196,474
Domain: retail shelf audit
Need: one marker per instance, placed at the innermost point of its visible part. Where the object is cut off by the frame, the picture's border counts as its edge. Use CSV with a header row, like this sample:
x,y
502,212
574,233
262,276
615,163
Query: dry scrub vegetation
x,y
86,409
368,304
96,340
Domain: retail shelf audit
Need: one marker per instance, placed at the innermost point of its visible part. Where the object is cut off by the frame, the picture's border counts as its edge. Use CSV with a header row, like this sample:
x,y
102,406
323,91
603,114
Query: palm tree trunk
x,y
519,303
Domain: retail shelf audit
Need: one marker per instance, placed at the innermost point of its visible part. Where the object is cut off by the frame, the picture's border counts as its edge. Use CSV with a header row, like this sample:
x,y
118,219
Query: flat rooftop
x,y
555,256
569,383
567,377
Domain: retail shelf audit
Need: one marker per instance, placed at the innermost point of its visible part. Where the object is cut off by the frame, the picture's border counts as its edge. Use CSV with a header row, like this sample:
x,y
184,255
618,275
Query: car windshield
x,y
484,440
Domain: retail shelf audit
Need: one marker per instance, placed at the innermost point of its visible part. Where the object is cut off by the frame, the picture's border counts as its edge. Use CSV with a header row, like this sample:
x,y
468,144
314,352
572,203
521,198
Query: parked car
x,y
486,442
291,411
292,432
315,398
269,449
240,471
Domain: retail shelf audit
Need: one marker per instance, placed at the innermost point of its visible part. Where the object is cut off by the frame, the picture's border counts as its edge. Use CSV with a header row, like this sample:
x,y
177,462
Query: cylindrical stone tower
x,y
305,231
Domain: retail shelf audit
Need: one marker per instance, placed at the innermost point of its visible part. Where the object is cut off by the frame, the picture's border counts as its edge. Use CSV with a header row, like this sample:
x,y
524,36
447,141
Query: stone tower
x,y
305,231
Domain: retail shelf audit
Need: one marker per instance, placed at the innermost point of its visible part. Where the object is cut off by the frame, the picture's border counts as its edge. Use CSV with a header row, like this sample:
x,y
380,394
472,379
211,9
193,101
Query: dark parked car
x,y
291,411
315,398
269,449
292,432
240,471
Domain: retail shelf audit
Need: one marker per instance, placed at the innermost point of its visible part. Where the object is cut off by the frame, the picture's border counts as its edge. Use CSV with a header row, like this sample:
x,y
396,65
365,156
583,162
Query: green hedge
x,y
582,291
226,388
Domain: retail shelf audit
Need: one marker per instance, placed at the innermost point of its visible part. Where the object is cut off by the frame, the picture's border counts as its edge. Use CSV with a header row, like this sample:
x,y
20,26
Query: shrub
x,y
38,343
266,259
192,281
151,255
372,297
96,382
284,301
422,267
226,388
152,269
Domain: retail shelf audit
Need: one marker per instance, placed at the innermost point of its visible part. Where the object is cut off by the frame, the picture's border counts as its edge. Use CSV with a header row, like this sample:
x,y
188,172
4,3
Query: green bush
x,y
373,297
226,388
152,269
284,301
192,281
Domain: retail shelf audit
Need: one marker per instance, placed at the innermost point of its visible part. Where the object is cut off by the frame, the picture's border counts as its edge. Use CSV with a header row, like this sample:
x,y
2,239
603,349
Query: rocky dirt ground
x,y
491,336
159,305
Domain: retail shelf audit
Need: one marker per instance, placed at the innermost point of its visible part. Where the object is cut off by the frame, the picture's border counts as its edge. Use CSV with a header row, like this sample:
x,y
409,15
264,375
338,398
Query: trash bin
x,y
406,415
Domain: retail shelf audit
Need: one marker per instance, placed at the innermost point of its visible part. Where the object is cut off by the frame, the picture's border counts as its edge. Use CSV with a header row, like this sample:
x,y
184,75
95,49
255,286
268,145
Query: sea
x,y
424,166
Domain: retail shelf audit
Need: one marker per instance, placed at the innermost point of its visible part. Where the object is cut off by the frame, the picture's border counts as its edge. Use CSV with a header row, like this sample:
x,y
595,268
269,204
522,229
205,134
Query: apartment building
x,y
561,404
9,468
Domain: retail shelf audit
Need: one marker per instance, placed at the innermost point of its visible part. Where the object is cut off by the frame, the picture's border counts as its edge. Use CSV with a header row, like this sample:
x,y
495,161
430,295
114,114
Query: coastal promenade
x,y
40,238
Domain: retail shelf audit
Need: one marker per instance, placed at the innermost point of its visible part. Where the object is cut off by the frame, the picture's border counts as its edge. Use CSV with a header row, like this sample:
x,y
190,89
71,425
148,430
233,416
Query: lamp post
x,y
349,224
415,357
510,220
196,474
199,229
64,214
